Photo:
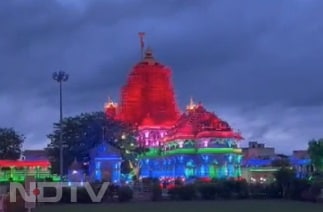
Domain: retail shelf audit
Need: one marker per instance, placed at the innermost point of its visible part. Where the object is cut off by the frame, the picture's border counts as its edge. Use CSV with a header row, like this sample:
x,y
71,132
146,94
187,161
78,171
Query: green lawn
x,y
208,206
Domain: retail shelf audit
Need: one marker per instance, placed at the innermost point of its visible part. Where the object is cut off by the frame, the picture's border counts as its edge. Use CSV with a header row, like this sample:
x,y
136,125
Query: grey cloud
x,y
276,125
260,57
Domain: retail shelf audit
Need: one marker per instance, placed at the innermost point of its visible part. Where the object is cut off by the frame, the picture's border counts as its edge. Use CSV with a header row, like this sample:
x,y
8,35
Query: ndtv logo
x,y
35,192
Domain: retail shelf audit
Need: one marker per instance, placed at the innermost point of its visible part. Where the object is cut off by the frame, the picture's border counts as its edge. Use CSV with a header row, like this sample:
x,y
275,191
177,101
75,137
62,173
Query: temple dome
x,y
199,123
185,132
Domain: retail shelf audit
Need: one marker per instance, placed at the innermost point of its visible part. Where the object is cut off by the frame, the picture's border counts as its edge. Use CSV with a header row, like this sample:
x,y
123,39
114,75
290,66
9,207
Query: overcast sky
x,y
257,63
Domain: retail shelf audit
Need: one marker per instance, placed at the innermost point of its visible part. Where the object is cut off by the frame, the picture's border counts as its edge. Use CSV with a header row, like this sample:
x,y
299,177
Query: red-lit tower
x,y
148,101
149,93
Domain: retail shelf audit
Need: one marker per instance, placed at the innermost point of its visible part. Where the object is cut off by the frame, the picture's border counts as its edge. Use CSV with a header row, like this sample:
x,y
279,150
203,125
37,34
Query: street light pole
x,y
60,77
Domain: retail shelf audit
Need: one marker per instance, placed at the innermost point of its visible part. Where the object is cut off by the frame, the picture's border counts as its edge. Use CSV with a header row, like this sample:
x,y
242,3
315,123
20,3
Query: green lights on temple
x,y
263,169
153,152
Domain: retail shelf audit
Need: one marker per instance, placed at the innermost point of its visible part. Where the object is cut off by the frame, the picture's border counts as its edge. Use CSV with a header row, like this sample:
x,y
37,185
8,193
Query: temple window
x,y
98,165
181,144
205,143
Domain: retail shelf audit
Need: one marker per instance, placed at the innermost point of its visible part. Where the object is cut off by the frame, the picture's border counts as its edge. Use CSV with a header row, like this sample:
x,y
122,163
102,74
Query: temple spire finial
x,y
148,53
191,104
110,103
142,44
191,101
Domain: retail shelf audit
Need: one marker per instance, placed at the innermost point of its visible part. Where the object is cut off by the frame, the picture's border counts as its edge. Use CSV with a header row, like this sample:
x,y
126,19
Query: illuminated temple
x,y
196,143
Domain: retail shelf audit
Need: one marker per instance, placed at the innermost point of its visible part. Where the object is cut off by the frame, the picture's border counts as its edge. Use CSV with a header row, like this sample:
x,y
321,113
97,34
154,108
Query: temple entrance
x,y
214,170
190,169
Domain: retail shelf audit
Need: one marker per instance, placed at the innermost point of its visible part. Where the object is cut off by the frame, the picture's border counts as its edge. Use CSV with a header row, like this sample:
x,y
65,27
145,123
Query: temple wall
x,y
191,166
214,158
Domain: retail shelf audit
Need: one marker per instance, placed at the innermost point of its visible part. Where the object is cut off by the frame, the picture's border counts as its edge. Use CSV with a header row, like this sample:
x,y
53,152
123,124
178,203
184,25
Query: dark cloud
x,y
256,63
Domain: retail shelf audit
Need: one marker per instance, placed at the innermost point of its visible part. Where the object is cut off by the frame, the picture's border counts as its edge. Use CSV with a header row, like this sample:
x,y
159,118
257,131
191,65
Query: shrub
x,y
242,189
111,192
298,187
178,182
156,192
308,196
315,191
259,191
83,196
187,192
272,191
226,189
174,193
125,194
208,191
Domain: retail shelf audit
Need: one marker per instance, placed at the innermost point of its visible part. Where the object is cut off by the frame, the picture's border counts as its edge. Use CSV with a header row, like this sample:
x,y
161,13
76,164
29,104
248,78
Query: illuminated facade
x,y
194,144
258,167
106,163
261,169
17,171
198,145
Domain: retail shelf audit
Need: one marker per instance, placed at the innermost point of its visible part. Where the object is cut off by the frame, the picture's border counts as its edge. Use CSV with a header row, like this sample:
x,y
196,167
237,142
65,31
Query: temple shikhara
x,y
148,96
194,143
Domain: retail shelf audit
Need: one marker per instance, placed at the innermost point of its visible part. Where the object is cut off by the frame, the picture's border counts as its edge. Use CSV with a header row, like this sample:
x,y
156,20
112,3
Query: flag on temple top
x,y
141,35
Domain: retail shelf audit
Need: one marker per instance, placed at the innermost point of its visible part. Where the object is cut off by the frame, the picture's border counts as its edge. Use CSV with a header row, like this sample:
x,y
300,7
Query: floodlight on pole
x,y
61,77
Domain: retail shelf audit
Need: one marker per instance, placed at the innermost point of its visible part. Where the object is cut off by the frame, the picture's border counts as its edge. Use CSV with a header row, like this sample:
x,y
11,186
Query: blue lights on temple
x,y
106,163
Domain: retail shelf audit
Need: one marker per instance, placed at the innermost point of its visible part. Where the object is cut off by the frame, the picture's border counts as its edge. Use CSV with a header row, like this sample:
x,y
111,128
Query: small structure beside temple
x,y
76,172
105,164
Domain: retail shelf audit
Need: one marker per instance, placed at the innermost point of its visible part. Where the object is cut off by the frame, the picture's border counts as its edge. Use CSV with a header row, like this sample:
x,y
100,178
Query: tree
x,y
315,150
10,144
83,132
284,178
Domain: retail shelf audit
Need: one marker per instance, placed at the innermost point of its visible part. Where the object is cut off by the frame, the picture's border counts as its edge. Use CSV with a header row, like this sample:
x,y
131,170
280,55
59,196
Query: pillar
x,y
145,167
180,166
116,174
204,166
97,171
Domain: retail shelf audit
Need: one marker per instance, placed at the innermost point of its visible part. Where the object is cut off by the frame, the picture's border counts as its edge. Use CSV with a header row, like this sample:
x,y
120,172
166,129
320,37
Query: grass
x,y
201,206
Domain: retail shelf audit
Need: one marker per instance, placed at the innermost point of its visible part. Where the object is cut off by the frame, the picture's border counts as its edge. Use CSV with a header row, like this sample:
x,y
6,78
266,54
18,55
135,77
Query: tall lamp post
x,y
60,77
